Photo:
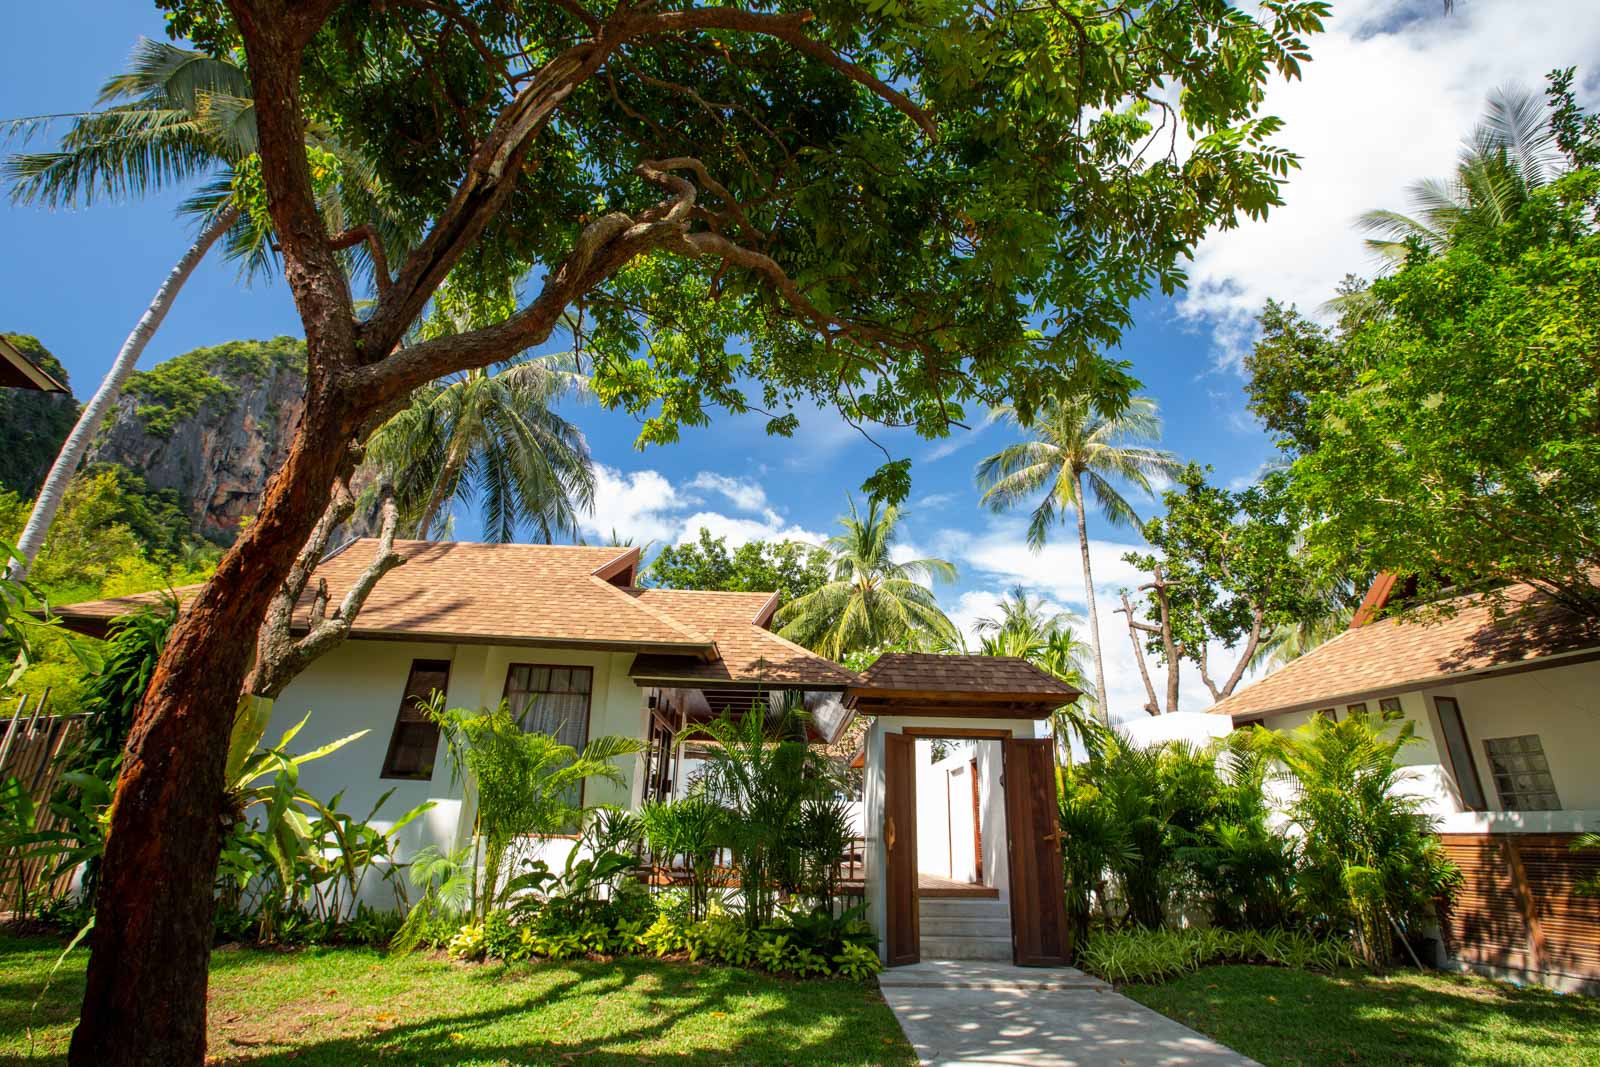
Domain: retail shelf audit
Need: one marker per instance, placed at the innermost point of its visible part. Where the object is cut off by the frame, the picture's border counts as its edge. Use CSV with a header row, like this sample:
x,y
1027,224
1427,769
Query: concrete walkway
x,y
980,1014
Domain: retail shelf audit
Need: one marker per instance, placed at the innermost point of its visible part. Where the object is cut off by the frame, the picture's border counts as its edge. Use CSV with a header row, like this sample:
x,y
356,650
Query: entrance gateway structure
x,y
912,696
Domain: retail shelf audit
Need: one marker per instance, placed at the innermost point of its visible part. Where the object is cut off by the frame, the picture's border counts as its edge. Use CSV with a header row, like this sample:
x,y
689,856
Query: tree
x,y
1075,443
872,601
791,569
1511,153
1026,630
727,196
1472,432
174,116
1226,568
490,434
1293,361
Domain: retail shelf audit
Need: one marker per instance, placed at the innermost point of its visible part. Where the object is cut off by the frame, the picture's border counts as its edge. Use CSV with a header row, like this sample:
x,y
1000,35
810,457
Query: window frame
x,y
387,771
588,709
1495,775
1469,775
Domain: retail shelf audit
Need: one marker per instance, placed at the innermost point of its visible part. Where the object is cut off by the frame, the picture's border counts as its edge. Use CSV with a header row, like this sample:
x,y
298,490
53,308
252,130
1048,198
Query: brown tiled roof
x,y
461,591
747,651
996,677
1391,654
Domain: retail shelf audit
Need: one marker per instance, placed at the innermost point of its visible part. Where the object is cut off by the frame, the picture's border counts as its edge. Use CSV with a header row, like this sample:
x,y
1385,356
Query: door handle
x,y
888,833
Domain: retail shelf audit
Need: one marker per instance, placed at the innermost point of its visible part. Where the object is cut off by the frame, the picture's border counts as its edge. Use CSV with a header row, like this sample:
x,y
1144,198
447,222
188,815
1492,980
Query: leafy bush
x,y
1138,955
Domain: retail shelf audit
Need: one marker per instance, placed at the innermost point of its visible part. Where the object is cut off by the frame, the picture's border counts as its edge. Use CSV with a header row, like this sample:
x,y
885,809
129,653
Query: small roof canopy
x,y
17,371
982,687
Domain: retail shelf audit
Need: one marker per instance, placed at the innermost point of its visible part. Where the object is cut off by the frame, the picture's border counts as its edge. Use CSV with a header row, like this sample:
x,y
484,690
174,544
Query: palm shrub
x,y
1244,867
1092,842
527,785
759,768
689,830
1370,862
823,834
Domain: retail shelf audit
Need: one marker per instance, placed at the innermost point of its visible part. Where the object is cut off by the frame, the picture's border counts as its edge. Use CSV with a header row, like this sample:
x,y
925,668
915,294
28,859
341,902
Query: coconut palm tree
x,y
873,601
1025,629
174,116
1075,446
490,435
1508,155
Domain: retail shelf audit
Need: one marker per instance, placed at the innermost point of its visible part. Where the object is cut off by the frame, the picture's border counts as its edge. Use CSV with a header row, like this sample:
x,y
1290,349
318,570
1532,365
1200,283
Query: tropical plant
x,y
132,646
1589,886
1076,446
686,830
761,770
1509,155
1371,863
525,786
872,601
1025,630
490,436
789,568
1092,843
174,116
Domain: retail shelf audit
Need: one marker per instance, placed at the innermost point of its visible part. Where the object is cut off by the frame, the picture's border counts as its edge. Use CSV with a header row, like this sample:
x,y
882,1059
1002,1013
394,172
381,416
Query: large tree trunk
x,y
1094,614
145,1001
99,406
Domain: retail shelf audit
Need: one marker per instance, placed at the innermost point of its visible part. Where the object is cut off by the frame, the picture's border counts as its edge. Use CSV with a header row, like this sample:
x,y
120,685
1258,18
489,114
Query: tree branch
x,y
1151,705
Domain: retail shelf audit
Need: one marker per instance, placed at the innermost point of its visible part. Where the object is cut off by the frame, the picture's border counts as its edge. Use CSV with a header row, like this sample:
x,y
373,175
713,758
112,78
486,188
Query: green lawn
x,y
354,1006
1285,1017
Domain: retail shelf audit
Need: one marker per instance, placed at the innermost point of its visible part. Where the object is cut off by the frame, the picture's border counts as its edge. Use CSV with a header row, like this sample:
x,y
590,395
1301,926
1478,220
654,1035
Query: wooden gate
x,y
1038,892
904,933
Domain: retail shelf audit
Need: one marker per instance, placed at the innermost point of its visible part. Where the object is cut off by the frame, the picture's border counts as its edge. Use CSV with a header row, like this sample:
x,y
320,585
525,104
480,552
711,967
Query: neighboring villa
x,y
1508,717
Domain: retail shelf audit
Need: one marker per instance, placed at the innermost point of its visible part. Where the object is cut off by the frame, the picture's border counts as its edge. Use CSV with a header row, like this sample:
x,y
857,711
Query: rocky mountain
x,y
211,425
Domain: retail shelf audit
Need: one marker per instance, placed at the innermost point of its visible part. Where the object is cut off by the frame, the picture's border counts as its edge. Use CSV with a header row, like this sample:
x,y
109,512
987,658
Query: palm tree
x,y
1510,153
173,116
872,602
1075,444
491,434
1026,630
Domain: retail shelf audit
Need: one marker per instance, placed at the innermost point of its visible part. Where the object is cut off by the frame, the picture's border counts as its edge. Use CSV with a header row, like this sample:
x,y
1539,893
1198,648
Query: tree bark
x,y
95,411
144,1002
1134,628
1094,614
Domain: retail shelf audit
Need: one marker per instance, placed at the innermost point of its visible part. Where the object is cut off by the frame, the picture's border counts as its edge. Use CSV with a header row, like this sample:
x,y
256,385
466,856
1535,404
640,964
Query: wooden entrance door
x,y
1038,891
900,849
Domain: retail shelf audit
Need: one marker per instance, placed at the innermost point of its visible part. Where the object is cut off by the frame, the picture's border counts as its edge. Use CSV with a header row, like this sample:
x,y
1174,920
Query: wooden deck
x,y
932,885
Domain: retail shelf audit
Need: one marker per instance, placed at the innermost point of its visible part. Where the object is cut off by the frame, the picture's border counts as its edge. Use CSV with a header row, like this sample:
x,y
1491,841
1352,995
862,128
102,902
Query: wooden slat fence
x,y
1517,908
31,741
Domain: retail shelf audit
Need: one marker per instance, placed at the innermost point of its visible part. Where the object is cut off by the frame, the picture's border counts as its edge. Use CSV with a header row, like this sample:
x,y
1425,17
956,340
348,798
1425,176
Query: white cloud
x,y
1386,100
644,505
932,501
746,495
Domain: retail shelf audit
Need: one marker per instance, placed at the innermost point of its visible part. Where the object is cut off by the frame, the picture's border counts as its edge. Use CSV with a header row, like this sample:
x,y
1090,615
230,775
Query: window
x,y
1521,773
551,700
1459,753
1357,709
416,739
1389,704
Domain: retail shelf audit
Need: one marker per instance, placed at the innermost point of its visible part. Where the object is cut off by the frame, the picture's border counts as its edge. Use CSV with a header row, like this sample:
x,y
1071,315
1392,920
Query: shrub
x,y
1137,955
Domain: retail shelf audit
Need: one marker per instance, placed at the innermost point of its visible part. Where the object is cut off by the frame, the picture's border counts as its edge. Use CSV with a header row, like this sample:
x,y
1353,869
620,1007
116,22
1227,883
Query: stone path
x,y
980,1014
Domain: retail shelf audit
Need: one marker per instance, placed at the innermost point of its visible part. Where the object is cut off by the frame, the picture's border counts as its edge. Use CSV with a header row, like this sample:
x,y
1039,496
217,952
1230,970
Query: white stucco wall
x,y
945,837
359,685
1561,705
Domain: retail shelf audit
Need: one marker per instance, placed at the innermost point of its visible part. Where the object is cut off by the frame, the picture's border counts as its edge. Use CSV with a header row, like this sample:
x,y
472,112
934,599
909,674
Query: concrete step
x,y
962,907
965,948
963,926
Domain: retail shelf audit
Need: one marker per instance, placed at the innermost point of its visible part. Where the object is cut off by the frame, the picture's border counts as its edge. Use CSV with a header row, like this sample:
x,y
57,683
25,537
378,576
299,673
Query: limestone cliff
x,y
213,425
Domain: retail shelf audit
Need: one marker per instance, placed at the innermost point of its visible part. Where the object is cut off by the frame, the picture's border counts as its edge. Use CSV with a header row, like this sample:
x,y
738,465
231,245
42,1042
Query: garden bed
x,y
1284,1017
351,1005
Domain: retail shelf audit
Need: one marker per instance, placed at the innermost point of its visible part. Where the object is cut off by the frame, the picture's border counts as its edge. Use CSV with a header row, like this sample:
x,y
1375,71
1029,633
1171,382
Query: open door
x,y
900,849
1038,891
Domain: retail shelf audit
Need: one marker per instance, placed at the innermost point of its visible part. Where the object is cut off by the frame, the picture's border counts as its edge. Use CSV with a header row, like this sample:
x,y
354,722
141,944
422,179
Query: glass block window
x,y
415,739
1521,773
551,700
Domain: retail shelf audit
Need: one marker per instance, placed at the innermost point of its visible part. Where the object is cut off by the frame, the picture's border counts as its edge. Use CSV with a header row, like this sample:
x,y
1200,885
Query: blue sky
x,y
1392,88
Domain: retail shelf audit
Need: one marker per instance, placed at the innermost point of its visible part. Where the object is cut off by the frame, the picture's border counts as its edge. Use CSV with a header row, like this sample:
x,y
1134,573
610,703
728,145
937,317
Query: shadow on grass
x,y
1281,1016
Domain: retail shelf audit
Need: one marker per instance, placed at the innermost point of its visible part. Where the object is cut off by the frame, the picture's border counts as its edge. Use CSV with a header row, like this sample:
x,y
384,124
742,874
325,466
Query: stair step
x,y
959,907
966,948
962,926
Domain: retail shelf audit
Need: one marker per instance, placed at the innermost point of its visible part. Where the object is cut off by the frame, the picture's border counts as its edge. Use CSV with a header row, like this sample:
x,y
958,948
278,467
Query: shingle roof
x,y
528,594
997,677
747,651
1394,653
549,595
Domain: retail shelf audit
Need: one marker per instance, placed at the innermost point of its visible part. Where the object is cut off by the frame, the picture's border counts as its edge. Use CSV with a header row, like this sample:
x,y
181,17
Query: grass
x,y
1288,1018
346,1006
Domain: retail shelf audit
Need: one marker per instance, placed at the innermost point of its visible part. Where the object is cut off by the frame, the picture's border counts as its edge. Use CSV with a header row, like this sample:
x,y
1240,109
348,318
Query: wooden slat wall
x,y
1517,908
29,747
